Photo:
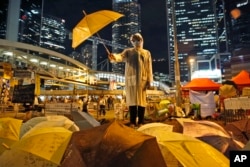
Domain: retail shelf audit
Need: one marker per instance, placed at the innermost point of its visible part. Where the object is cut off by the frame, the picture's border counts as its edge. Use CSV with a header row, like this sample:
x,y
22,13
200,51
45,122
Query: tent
x,y
201,84
242,79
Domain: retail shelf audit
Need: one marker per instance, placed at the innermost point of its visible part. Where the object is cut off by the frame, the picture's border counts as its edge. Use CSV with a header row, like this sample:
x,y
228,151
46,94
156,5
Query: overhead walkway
x,y
59,69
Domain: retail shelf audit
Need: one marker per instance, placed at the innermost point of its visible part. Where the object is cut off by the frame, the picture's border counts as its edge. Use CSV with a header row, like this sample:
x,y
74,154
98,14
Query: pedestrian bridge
x,y
58,69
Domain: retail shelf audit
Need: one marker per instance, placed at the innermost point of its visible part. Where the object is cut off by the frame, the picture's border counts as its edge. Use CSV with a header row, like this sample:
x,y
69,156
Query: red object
x,y
242,79
201,84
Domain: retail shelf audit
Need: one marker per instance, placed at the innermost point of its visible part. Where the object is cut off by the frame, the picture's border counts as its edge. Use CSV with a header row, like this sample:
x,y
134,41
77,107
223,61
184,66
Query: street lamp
x,y
191,63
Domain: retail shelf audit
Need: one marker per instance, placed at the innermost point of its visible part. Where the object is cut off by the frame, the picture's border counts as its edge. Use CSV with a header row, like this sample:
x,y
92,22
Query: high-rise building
x,y
53,34
34,27
3,18
195,32
30,22
238,30
125,26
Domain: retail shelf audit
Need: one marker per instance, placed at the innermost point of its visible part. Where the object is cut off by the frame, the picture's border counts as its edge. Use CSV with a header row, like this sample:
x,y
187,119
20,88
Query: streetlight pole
x,y
176,65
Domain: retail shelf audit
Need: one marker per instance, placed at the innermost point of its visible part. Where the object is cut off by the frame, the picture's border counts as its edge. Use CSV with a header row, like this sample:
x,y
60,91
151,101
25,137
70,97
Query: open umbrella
x,y
240,130
152,127
38,147
91,24
213,134
48,121
9,132
110,145
227,91
183,150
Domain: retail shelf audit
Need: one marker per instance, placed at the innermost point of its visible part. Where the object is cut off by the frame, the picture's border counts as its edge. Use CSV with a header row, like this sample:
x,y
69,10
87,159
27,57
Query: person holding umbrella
x,y
138,77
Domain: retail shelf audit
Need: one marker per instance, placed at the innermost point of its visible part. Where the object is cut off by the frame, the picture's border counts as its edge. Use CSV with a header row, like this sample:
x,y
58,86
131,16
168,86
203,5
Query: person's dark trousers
x,y
133,111
133,114
141,113
102,109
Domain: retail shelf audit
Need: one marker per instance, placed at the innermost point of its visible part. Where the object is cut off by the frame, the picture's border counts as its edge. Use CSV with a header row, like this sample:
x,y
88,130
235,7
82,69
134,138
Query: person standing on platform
x,y
138,77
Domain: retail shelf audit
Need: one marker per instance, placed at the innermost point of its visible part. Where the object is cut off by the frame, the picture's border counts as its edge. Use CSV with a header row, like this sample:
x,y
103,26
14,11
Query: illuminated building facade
x,y
33,28
125,26
196,34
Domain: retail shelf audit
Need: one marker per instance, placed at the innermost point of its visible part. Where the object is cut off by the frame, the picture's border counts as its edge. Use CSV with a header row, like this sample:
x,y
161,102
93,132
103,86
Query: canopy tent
x,y
201,84
242,79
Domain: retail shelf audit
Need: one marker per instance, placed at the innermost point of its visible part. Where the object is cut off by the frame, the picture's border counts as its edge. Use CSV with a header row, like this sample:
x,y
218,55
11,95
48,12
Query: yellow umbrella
x,y
164,104
178,149
38,146
9,132
91,24
227,91
155,127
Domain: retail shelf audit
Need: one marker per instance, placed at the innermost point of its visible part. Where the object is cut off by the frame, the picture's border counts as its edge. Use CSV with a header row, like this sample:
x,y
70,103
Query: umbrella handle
x,y
107,50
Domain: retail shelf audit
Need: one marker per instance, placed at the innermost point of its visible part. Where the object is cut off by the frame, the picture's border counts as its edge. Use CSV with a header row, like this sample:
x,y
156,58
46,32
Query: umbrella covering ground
x,y
111,145
48,121
9,132
38,147
213,134
183,150
240,130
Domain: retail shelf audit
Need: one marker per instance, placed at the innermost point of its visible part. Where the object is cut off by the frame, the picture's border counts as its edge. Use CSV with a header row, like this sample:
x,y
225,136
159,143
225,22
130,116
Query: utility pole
x,y
176,65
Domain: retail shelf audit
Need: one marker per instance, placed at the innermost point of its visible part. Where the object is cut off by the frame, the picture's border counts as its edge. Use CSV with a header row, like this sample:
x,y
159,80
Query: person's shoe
x,y
132,126
139,125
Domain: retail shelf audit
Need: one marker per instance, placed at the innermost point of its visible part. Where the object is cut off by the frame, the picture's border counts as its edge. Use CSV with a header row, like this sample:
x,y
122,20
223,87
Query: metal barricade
x,y
236,108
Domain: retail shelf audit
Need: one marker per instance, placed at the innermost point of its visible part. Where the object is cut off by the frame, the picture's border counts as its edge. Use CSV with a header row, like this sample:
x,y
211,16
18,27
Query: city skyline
x,y
153,23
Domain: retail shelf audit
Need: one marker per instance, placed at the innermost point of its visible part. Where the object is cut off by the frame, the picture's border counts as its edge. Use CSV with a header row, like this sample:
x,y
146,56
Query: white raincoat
x,y
138,74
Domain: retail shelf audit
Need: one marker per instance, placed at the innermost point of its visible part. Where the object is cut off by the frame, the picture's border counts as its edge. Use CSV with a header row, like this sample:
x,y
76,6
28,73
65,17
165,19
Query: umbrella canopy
x,y
110,145
38,147
48,121
240,130
182,150
227,91
151,127
91,24
213,134
9,132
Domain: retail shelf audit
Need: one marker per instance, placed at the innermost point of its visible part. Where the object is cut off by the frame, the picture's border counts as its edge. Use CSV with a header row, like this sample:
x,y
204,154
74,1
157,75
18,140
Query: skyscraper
x,y
195,31
53,34
238,32
34,27
3,18
125,26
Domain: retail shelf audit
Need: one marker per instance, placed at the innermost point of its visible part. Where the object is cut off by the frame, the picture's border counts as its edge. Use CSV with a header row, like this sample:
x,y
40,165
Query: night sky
x,y
153,17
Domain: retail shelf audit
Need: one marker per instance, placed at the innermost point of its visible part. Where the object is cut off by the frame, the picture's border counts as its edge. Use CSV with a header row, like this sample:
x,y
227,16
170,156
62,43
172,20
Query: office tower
x,y
238,28
238,35
39,29
195,32
125,26
53,34
3,18
34,27
30,22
